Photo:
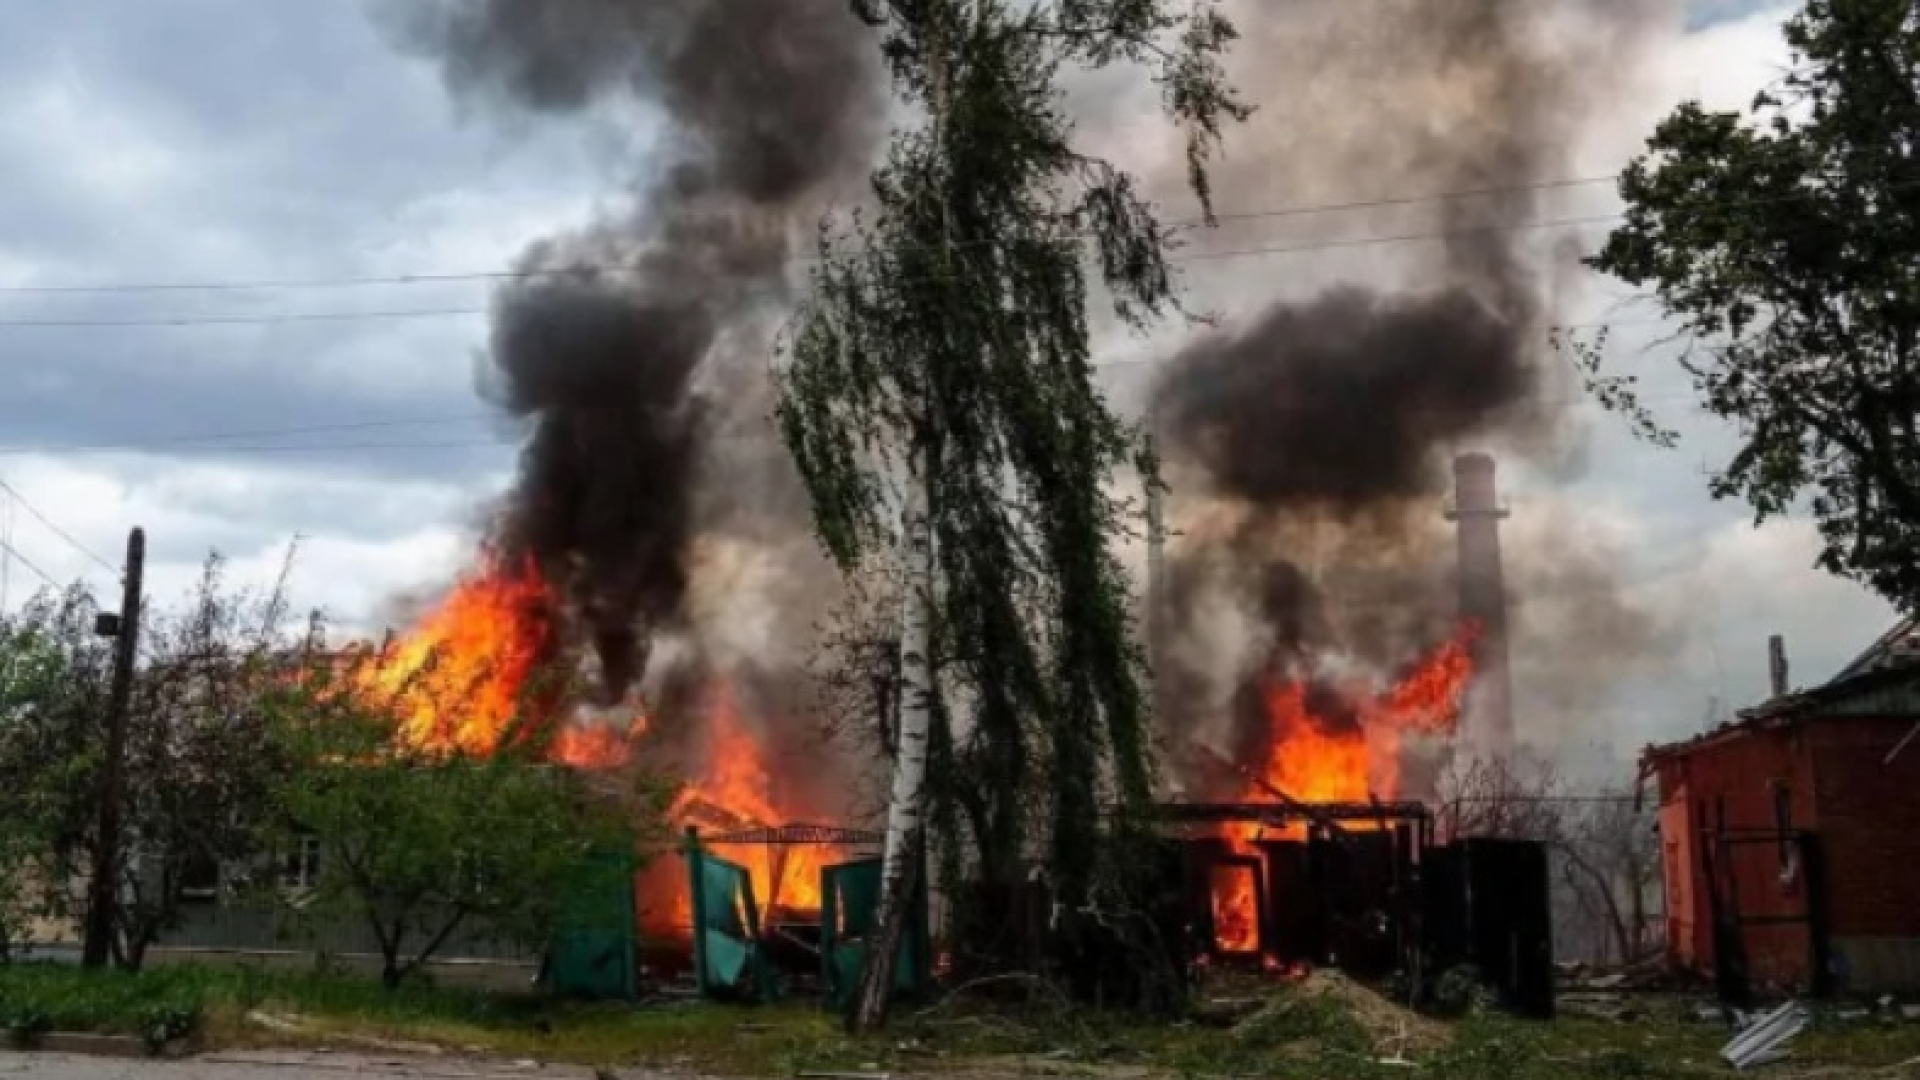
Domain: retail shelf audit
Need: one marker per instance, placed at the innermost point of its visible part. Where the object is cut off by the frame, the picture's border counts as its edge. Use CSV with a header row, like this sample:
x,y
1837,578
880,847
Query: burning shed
x,y
1287,884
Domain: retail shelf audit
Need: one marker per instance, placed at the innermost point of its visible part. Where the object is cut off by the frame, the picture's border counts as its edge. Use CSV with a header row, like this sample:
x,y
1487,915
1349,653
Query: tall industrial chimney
x,y
1477,512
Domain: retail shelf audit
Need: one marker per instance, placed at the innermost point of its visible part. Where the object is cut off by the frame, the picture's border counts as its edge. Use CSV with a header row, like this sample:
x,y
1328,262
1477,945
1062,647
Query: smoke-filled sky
x,y
224,140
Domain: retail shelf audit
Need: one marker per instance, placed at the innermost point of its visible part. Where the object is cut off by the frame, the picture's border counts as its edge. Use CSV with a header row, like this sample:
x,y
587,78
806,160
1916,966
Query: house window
x,y
1783,820
473,877
200,877
1788,849
300,864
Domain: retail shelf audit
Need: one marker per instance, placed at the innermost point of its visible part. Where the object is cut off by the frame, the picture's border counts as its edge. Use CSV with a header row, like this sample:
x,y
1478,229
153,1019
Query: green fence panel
x,y
592,953
850,908
726,928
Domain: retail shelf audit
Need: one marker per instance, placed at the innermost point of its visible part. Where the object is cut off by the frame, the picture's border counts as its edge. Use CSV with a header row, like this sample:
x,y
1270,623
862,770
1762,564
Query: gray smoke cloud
x,y
769,107
1308,442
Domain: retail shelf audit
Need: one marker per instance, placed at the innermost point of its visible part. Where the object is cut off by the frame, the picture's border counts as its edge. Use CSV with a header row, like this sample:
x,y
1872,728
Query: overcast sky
x,y
180,141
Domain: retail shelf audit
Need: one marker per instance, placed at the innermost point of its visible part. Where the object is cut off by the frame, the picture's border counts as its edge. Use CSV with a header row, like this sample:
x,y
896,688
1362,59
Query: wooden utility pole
x,y
103,891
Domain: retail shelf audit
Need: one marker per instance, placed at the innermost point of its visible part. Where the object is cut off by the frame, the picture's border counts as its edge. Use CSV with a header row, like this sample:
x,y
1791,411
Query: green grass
x,y
1303,1039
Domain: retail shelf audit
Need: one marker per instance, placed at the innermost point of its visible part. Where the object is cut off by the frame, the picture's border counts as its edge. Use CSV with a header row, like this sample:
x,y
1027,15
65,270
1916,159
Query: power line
x,y
264,448
528,273
1174,258
245,320
472,444
8,547
1368,241
352,316
256,433
539,272
57,530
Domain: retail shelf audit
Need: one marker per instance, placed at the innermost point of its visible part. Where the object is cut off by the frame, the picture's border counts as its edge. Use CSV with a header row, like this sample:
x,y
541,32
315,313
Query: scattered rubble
x,y
1650,974
1392,1030
1763,1041
1600,1006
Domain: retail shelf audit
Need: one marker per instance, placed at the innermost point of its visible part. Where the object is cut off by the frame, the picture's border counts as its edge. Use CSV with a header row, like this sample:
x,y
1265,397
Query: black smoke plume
x,y
1318,428
769,104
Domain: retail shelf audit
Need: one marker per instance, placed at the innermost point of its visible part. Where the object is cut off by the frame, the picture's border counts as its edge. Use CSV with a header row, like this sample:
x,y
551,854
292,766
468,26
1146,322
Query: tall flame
x,y
461,677
1313,758
457,679
736,788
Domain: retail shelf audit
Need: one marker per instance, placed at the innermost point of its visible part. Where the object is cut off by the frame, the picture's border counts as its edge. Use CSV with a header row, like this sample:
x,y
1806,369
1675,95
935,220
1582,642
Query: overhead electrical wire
x,y
212,445
539,272
14,553
272,318
63,534
595,269
257,433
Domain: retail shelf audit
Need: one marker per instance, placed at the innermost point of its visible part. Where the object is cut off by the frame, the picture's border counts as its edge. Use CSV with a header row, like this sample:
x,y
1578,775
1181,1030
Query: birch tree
x,y
939,400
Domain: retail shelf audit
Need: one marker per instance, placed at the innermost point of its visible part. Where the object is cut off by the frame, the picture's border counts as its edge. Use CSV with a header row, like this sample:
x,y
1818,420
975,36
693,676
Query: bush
x,y
162,1024
36,998
25,1025
1460,992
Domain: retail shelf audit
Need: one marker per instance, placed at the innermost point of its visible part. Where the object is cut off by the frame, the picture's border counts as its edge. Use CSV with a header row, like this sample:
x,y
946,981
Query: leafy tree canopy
x,y
418,844
947,345
1788,244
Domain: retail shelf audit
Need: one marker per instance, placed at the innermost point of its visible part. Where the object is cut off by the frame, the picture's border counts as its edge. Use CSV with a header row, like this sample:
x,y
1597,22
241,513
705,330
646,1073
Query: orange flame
x,y
457,678
736,789
1313,760
598,746
460,677
1235,922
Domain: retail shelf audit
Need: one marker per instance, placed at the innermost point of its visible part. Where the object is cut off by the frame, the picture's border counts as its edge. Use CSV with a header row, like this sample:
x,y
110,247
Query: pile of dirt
x,y
1328,1006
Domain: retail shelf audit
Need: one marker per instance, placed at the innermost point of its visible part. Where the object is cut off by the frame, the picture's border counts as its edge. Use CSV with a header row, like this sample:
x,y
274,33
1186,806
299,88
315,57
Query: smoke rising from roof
x,y
1310,438
769,105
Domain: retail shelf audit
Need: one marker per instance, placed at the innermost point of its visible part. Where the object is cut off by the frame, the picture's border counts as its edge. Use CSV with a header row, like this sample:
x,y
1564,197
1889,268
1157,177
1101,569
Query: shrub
x,y
162,1024
1460,992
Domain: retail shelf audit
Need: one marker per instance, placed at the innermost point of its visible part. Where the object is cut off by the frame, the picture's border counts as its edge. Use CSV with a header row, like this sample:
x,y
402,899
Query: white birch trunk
x,y
906,802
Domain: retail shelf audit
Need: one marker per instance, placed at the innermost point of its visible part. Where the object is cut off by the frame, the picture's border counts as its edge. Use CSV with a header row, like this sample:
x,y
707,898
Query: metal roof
x,y
799,834
1880,683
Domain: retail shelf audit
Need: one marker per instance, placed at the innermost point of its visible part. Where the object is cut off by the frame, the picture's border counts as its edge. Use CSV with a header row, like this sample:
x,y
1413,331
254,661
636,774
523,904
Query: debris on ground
x,y
1763,1041
293,1025
1310,1007
1600,1006
1227,1011
1649,974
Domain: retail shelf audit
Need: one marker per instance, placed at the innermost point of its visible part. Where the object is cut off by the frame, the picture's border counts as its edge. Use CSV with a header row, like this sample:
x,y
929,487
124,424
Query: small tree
x,y
1610,864
197,762
200,757
1785,246
1511,798
1602,850
417,844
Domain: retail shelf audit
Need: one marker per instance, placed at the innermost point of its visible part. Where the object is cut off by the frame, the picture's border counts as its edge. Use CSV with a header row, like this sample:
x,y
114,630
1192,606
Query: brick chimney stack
x,y
1477,512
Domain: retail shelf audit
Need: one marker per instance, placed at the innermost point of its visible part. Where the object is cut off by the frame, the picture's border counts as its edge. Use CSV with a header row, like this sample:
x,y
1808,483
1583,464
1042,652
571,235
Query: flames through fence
x,y
467,678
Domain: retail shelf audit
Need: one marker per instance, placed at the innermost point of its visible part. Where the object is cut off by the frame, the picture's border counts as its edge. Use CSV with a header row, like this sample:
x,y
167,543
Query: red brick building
x,y
1791,837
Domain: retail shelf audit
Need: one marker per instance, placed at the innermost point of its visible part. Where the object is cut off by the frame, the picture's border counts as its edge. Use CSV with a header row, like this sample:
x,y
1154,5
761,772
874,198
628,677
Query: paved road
x,y
281,1066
